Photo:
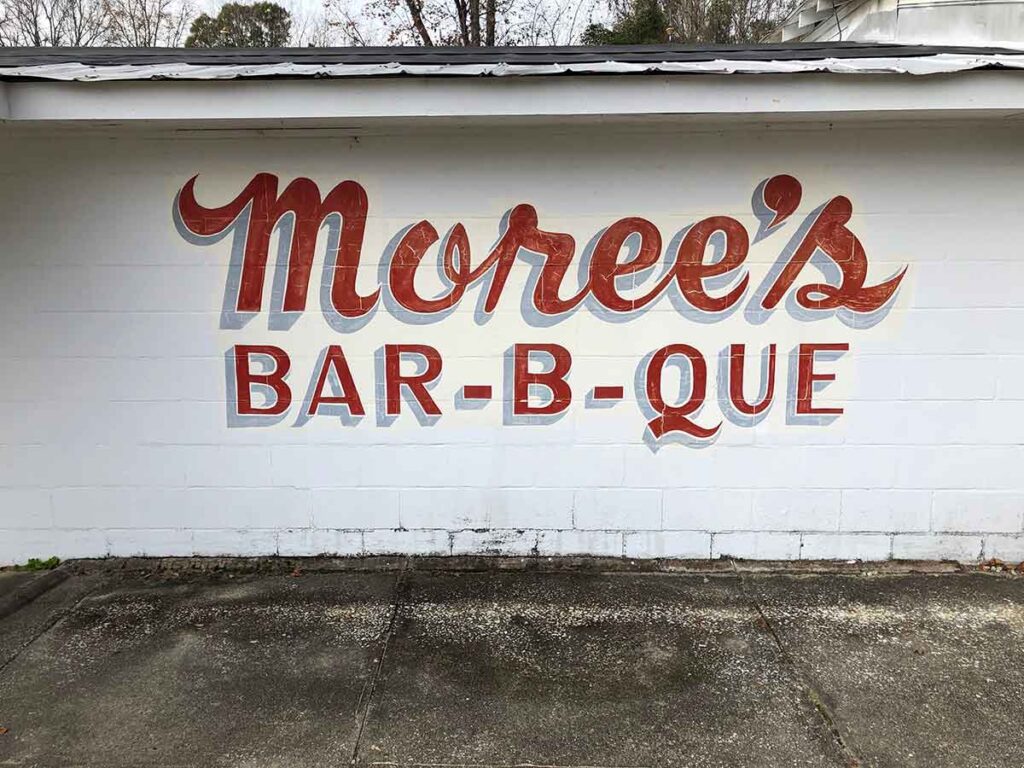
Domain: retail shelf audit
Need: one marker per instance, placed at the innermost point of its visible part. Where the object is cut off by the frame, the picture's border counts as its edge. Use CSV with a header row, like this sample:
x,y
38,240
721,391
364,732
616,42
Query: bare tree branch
x,y
52,22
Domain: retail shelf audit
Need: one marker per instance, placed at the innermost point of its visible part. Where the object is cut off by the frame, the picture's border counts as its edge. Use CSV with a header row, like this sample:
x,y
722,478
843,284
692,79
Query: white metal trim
x,y
916,65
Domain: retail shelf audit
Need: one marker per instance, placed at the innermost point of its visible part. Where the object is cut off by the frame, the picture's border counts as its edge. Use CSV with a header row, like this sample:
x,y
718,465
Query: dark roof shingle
x,y
410,55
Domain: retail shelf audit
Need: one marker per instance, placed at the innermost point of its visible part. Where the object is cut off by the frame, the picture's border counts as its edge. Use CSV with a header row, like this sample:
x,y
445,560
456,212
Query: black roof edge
x,y
525,55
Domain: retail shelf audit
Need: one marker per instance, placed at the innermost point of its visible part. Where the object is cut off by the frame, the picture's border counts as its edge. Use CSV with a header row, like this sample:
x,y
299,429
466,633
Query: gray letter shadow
x,y
462,403
230,317
280,320
763,213
334,319
384,279
509,417
653,443
718,282
807,419
383,418
233,418
622,282
591,402
832,274
341,410
725,403
536,261
480,317
755,314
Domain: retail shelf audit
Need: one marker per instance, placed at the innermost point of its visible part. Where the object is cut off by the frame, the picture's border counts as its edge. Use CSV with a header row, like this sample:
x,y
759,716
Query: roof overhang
x,y
101,64
360,86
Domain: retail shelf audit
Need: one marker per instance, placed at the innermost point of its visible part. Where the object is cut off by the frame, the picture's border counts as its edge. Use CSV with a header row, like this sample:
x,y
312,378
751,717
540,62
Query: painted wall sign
x,y
625,269
517,343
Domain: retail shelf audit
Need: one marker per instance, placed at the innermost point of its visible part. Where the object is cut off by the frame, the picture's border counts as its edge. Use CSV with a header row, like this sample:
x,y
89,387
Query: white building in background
x,y
927,22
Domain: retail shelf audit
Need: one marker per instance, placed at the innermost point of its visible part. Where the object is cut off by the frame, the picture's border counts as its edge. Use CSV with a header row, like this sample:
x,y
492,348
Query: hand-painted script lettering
x,y
626,268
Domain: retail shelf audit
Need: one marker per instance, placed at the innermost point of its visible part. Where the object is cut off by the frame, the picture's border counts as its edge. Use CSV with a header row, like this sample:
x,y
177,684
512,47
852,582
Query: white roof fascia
x,y
829,96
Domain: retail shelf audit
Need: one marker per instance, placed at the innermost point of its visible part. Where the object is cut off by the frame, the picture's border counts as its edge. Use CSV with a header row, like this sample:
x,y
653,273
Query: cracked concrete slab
x,y
576,669
11,581
213,671
214,665
917,670
20,628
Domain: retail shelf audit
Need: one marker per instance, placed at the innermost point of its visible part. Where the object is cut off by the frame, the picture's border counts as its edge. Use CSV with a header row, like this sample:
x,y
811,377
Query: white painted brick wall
x,y
685,545
245,542
115,439
709,510
617,508
977,511
355,508
790,509
1005,548
477,508
510,543
22,508
601,543
322,541
756,546
930,547
158,542
884,509
419,542
845,546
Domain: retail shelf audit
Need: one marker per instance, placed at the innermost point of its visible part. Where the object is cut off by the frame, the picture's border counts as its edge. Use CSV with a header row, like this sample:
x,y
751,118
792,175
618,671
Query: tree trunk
x,y
416,11
474,22
492,11
462,15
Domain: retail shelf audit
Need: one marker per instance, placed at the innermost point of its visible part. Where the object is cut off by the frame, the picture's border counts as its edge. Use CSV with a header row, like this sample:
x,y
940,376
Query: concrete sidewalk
x,y
555,664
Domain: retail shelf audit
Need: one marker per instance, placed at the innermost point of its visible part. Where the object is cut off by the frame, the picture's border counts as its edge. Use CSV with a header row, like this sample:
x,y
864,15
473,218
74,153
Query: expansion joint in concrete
x,y
370,689
34,589
807,688
52,622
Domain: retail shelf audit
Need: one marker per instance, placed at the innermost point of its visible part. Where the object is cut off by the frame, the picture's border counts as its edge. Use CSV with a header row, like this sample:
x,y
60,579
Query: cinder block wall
x,y
118,437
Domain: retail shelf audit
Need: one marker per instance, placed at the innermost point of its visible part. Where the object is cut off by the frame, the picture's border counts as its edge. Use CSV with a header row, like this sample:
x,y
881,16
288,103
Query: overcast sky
x,y
309,9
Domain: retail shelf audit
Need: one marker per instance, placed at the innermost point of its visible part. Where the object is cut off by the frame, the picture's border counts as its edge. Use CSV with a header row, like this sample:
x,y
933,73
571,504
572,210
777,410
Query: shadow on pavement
x,y
403,665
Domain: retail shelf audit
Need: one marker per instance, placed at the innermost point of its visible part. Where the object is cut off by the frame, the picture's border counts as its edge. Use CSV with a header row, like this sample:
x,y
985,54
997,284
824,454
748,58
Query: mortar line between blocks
x,y
807,688
366,696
